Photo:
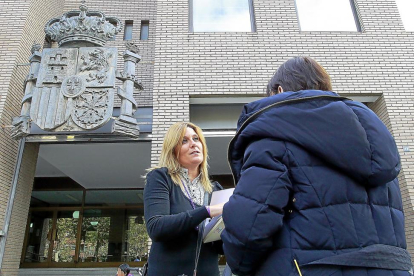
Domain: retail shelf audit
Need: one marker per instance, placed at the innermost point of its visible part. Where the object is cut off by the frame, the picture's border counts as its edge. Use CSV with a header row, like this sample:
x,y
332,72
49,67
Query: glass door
x,y
51,238
39,238
105,228
64,237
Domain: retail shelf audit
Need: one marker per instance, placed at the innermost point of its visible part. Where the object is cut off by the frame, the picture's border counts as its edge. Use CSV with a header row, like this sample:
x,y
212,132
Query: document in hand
x,y
214,228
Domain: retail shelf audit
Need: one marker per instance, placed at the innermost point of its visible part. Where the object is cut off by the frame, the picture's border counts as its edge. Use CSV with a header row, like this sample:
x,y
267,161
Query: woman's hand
x,y
216,210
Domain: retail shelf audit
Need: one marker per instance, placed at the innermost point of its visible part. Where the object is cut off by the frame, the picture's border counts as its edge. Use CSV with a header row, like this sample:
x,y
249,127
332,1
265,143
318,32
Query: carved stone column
x,y
21,124
126,124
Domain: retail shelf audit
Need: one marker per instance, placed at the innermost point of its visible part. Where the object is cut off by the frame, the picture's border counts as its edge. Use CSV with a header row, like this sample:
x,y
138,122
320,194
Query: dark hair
x,y
124,268
299,73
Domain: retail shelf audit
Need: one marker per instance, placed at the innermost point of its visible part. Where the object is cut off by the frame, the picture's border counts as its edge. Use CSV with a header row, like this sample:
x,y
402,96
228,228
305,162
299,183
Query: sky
x,y
326,15
406,9
221,16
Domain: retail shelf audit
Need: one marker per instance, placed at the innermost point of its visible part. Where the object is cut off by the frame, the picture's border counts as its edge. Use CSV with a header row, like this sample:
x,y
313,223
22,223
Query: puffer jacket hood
x,y
345,134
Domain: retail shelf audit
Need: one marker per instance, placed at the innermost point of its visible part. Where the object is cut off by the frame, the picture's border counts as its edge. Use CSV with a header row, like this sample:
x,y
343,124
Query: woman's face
x,y
191,153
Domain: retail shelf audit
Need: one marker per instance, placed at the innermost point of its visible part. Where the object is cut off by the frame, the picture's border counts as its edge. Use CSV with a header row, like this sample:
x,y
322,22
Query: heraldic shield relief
x,y
75,88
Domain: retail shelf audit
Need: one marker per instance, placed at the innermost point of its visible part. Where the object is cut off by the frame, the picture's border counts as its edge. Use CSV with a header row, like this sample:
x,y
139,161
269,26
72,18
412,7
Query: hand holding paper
x,y
216,210
214,228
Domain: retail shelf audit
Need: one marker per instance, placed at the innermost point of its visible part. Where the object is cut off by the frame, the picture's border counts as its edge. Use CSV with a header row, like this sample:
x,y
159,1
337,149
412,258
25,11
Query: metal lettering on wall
x,y
72,88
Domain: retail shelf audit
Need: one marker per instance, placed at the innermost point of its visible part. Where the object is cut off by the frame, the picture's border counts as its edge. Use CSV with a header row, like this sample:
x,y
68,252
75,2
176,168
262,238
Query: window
x,y
70,227
221,16
144,30
406,8
113,235
327,15
128,30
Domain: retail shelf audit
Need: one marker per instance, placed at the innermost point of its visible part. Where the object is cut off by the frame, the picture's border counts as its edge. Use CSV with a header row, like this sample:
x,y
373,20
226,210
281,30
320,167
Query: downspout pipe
x,y
5,230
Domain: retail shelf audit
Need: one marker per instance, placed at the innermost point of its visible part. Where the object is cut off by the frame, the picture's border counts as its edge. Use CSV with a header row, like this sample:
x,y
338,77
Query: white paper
x,y
215,226
221,196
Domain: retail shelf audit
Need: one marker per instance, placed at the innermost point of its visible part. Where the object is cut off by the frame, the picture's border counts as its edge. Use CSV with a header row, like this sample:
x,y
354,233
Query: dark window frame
x,y
356,15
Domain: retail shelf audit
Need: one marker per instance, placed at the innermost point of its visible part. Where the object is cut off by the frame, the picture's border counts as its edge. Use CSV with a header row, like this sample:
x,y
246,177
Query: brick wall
x,y
22,23
380,108
17,226
9,41
379,60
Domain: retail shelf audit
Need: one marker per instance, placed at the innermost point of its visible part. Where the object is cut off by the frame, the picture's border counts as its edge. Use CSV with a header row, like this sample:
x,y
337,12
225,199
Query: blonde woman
x,y
174,205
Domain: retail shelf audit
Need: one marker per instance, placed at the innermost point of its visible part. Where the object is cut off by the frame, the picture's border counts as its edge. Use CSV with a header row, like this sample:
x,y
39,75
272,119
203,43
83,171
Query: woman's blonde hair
x,y
172,144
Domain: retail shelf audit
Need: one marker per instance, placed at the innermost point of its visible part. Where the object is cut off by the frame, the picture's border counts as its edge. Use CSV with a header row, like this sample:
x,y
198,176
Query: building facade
x,y
196,65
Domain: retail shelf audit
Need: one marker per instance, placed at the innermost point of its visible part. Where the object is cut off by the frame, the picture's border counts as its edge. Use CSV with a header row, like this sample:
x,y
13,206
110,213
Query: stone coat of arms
x,y
75,88
72,88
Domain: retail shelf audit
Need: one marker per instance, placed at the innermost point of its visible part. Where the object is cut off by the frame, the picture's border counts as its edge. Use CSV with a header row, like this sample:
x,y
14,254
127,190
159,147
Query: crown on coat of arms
x,y
83,28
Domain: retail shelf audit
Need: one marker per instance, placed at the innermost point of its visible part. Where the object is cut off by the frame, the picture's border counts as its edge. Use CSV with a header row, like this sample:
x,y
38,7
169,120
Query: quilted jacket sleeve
x,y
254,213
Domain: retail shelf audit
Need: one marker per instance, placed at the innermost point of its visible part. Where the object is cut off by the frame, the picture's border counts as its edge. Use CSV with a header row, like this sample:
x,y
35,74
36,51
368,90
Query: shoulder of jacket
x,y
162,170
159,173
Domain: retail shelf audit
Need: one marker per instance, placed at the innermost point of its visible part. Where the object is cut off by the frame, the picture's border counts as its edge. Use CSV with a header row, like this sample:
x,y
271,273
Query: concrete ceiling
x,y
113,165
96,165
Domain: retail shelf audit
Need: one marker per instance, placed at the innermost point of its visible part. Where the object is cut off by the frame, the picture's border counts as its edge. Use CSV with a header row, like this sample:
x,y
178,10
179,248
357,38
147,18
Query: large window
x,y
221,16
406,8
113,235
327,15
85,228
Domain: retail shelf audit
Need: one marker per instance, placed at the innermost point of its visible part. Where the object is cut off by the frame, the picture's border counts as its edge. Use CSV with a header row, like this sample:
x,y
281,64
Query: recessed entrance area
x,y
86,207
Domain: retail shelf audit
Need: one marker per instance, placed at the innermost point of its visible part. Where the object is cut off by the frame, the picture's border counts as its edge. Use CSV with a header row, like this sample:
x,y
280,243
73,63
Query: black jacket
x,y
316,183
171,224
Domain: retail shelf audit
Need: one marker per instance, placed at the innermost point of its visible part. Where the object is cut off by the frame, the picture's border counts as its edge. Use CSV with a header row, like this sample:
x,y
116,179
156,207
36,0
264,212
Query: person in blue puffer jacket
x,y
317,191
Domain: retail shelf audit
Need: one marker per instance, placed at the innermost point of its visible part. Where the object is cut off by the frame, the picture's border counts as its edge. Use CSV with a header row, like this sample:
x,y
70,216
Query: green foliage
x,y
137,238
128,232
64,247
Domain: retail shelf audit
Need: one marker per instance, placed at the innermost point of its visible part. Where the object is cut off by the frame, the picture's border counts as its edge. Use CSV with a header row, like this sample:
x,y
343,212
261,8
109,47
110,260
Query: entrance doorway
x,y
89,237
51,237
86,206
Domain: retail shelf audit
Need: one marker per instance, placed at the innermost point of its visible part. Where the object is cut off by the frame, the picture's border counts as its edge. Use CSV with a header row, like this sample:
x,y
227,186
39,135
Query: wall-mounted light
x,y
75,215
48,137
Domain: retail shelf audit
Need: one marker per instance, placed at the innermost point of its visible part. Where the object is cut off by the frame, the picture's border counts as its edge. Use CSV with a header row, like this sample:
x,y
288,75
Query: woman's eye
x,y
195,139
185,141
